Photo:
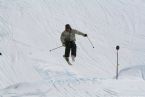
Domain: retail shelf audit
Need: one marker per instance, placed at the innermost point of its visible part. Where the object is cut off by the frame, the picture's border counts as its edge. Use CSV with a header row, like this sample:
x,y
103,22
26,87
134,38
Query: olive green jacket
x,y
70,36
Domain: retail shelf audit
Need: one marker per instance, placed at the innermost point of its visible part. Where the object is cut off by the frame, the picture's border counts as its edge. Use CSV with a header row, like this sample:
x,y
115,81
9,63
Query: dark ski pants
x,y
70,46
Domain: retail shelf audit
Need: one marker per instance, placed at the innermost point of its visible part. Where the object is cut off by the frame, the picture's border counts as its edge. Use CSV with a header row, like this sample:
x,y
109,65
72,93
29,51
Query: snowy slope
x,y
30,28
77,88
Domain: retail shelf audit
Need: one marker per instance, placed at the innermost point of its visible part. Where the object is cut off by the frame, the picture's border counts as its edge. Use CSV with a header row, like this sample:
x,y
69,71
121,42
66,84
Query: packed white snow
x,y
30,28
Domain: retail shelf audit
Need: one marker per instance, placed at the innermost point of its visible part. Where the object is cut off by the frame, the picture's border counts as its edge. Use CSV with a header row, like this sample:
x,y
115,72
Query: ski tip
x,y
69,63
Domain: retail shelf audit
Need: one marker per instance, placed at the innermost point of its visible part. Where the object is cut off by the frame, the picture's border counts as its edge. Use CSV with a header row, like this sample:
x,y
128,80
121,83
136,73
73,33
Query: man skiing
x,y
68,41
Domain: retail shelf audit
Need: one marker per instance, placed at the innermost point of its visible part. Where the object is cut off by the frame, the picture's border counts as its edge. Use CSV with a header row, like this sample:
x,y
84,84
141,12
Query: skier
x,y
68,41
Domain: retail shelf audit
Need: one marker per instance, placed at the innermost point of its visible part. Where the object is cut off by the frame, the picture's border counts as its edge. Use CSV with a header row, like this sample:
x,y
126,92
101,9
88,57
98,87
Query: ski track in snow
x,y
77,88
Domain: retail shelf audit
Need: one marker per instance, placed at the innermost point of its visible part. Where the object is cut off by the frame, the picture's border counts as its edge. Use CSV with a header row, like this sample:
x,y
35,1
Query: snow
x,y
90,87
30,28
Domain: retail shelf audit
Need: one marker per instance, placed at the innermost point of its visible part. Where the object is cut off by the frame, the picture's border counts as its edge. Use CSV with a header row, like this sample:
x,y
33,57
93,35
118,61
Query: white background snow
x,y
30,28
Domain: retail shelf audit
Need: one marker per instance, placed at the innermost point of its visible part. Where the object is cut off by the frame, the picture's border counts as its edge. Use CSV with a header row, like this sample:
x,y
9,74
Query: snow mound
x,y
135,72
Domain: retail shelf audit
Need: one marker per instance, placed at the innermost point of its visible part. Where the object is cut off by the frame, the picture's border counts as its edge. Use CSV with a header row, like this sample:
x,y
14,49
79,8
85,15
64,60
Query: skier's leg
x,y
73,51
67,51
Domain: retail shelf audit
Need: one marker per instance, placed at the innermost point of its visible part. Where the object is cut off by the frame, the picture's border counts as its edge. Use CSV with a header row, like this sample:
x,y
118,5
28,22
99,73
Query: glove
x,y
85,35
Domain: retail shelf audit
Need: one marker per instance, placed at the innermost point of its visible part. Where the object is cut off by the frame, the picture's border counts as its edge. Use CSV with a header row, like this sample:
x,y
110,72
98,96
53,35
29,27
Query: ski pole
x,y
90,42
55,48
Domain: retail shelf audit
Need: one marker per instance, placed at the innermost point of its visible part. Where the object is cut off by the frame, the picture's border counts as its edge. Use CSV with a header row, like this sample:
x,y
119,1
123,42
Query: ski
x,y
69,63
67,60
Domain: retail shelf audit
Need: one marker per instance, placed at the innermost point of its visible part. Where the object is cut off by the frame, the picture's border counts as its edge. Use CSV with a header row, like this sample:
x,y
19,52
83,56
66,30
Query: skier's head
x,y
68,27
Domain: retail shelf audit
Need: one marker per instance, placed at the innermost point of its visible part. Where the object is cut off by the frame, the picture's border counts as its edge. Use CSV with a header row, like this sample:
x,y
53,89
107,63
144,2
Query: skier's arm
x,y
62,38
80,33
